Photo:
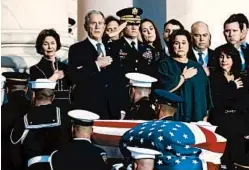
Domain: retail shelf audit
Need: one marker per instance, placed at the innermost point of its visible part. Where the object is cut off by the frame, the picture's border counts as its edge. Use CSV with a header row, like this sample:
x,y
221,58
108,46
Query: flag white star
x,y
150,134
194,162
140,132
152,128
160,138
160,130
163,125
124,144
178,125
166,121
177,161
154,124
171,134
185,136
131,138
131,131
187,147
141,140
168,157
145,123
142,128
169,147
160,162
175,129
195,152
178,142
183,157
152,143
178,154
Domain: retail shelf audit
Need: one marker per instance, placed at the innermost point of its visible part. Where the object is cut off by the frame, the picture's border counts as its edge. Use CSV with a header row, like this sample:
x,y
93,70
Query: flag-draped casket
x,y
184,145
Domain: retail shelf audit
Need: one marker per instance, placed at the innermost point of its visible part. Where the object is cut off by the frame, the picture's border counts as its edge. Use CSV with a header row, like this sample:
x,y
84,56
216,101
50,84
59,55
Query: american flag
x,y
184,145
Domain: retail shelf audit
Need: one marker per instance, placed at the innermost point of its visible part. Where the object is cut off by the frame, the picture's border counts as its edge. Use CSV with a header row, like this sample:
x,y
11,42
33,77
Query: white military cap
x,y
3,79
43,84
143,153
82,117
140,80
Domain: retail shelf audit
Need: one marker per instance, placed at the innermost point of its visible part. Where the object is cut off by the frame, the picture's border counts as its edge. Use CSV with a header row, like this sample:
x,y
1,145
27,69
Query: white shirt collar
x,y
94,42
134,40
82,139
205,52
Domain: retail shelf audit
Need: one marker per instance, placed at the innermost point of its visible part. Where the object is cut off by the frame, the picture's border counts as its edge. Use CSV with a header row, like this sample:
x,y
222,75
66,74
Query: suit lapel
x,y
92,49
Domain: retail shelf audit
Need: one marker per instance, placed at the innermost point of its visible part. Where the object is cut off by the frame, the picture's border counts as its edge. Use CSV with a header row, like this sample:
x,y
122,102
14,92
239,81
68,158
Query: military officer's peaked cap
x,y
143,153
43,84
16,78
82,117
165,97
140,80
131,15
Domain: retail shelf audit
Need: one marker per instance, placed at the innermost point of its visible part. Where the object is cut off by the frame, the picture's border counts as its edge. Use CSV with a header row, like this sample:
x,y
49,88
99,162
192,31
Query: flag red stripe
x,y
218,147
105,140
115,124
210,136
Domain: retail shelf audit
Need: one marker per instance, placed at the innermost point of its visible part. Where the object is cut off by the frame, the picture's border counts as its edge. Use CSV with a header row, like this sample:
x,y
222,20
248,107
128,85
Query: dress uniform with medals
x,y
80,153
41,131
13,110
143,109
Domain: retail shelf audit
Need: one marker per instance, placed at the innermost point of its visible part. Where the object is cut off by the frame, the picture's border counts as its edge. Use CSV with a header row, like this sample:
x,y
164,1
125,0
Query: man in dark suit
x,y
80,153
201,53
166,104
93,72
233,33
244,45
168,28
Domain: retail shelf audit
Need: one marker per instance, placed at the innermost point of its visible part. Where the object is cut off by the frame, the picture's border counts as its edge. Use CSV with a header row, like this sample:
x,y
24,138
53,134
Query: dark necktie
x,y
99,50
133,45
200,60
243,46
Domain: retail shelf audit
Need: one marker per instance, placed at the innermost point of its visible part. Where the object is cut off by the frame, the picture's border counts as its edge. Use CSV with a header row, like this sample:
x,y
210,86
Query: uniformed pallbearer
x,y
81,153
166,104
140,88
42,130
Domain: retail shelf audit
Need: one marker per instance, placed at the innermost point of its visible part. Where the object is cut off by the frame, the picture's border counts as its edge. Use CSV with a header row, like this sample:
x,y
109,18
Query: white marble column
x,y
108,7
22,21
213,12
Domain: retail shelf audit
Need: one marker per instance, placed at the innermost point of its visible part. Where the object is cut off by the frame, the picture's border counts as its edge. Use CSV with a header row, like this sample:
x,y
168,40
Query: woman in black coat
x,y
230,97
47,44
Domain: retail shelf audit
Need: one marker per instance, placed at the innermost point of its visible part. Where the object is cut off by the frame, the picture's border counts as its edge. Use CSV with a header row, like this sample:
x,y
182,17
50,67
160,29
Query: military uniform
x,y
81,153
16,107
41,131
141,110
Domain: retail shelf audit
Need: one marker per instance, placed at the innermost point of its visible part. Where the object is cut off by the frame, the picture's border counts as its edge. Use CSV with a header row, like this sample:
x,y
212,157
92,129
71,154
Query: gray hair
x,y
87,17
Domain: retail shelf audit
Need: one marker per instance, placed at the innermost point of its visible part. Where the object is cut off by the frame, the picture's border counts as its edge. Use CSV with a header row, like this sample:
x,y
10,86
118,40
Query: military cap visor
x,y
143,153
16,78
130,15
82,117
165,97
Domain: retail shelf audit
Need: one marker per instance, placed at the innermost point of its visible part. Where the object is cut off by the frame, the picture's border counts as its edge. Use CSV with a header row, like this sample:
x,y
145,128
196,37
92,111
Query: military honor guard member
x,y
42,130
81,153
166,104
139,90
17,105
